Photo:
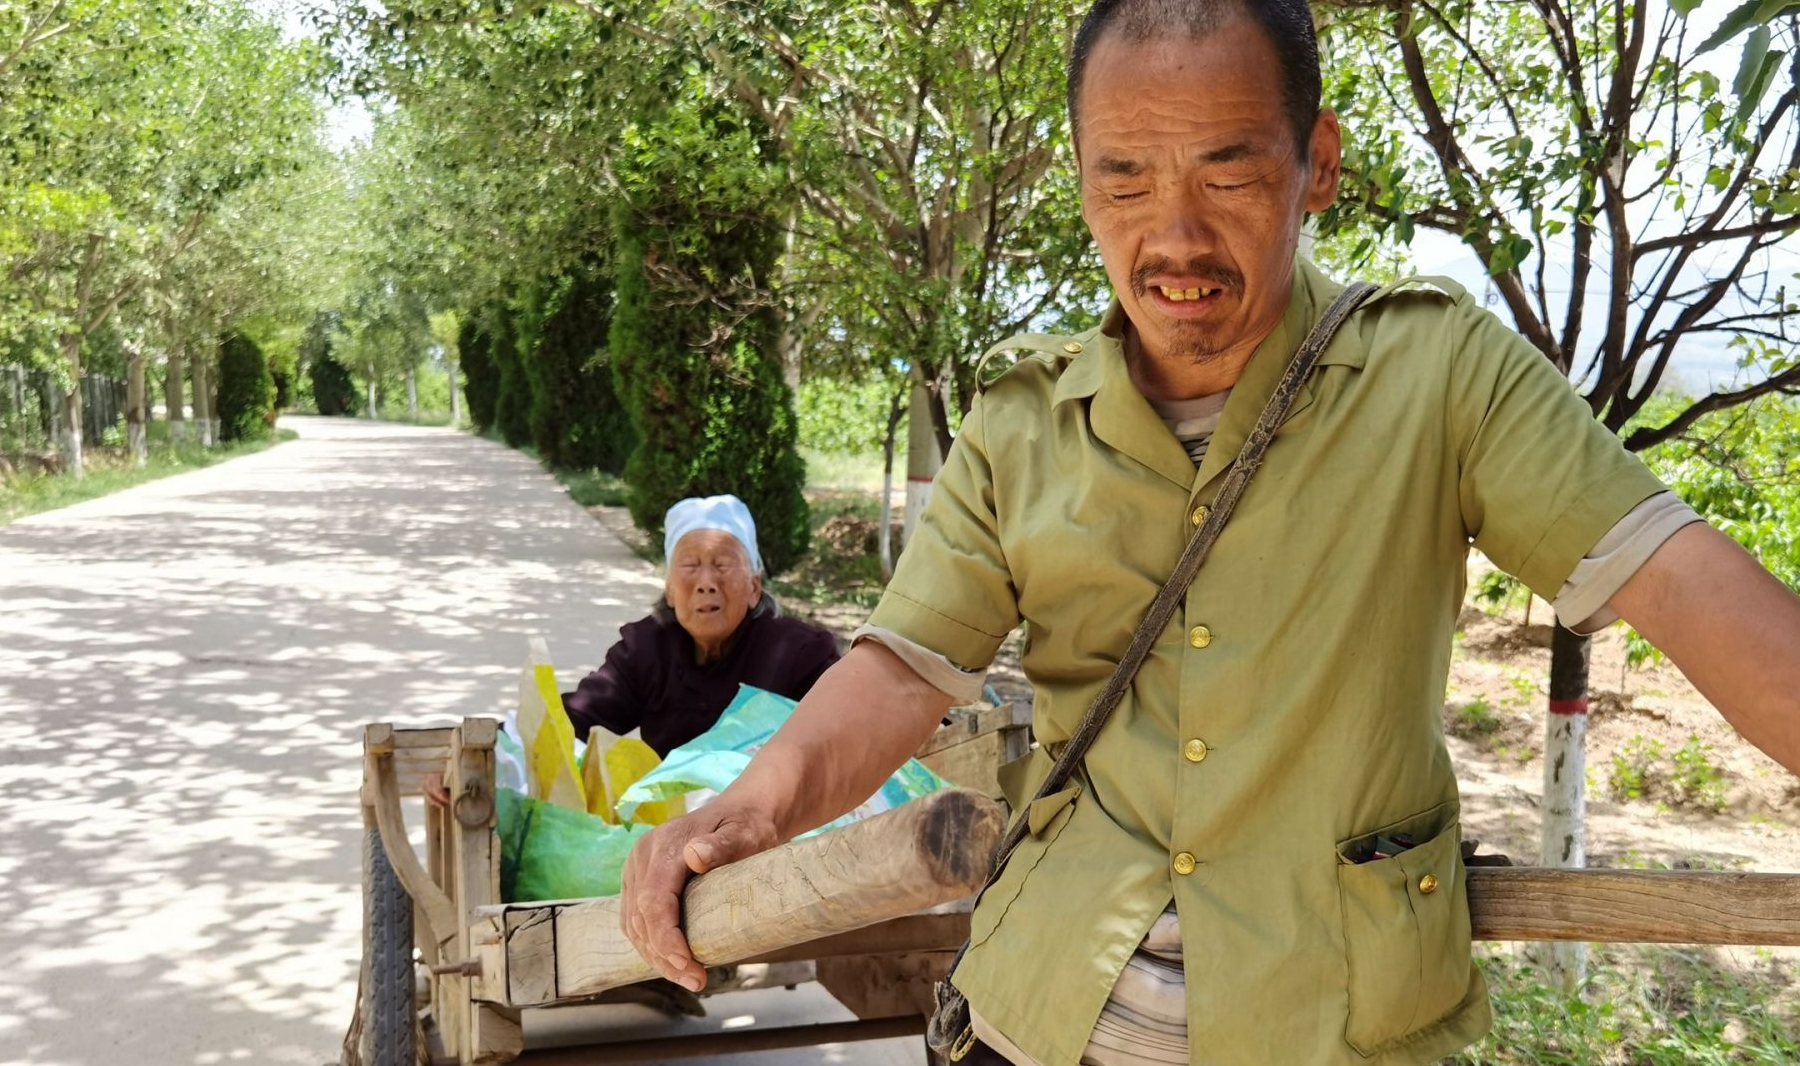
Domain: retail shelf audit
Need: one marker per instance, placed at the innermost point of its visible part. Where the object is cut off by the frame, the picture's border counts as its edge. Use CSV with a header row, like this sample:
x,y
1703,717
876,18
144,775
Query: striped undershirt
x,y
1193,421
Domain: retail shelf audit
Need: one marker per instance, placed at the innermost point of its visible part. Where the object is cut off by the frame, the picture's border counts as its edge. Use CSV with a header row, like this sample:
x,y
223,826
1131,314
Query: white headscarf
x,y
724,513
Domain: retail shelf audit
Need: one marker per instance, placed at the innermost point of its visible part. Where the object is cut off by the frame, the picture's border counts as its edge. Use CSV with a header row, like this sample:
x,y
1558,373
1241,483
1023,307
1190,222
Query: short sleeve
x,y
952,592
1540,479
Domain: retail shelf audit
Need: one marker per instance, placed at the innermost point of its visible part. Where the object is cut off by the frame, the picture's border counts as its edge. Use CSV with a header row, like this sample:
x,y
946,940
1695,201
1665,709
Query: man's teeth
x,y
1183,295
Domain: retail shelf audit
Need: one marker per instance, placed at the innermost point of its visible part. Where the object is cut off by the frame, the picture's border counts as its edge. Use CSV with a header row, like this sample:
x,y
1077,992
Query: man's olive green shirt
x,y
1293,707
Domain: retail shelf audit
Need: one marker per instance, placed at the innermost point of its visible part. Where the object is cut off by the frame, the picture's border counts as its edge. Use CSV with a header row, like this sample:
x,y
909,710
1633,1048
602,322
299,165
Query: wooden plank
x,y
928,852
531,941
410,769
733,1042
975,763
485,1034
435,840
413,740
499,1035
489,985
886,986
1635,906
913,933
967,723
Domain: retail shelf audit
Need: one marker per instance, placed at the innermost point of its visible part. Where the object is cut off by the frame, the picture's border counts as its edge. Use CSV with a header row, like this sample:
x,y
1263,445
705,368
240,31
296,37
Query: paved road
x,y
184,671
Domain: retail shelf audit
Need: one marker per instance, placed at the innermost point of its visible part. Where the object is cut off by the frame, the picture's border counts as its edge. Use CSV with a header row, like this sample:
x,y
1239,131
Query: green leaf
x,y
1684,8
1751,13
1756,49
1759,85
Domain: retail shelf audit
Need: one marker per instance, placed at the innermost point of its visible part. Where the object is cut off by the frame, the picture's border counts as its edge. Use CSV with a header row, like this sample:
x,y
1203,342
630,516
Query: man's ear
x,y
1326,166
756,590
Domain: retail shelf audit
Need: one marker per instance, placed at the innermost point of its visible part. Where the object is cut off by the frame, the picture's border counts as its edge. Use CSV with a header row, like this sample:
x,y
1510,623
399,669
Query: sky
x,y
347,122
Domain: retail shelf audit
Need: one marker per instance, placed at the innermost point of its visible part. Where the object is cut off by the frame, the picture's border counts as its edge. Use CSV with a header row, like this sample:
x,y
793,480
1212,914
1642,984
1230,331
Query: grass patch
x,y
1644,1007
109,470
425,417
1475,718
842,564
837,472
593,488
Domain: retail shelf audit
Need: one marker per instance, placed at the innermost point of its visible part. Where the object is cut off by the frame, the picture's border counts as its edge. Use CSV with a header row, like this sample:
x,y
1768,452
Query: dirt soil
x,y
1641,719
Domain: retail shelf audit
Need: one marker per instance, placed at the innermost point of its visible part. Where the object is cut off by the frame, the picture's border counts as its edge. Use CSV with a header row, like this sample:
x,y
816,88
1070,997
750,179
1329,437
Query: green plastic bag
x,y
715,758
552,852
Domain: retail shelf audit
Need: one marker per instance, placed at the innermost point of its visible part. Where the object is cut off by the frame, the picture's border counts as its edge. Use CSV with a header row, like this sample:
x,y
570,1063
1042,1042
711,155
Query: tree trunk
x,y
73,460
136,407
790,342
885,535
412,394
923,459
1564,836
203,412
455,400
174,392
373,413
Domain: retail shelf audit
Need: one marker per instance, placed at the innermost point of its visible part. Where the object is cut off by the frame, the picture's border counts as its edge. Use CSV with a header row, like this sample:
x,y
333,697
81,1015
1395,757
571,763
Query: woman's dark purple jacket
x,y
651,682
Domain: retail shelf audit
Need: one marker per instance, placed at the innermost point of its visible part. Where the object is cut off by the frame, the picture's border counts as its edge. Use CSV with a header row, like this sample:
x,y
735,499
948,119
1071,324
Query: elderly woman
x,y
672,674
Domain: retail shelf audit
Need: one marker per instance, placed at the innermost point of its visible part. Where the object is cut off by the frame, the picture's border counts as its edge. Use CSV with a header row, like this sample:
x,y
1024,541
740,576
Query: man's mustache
x,y
1205,270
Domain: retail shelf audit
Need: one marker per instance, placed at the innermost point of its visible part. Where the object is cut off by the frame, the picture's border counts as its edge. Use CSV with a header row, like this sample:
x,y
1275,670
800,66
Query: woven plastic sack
x,y
715,758
546,735
551,852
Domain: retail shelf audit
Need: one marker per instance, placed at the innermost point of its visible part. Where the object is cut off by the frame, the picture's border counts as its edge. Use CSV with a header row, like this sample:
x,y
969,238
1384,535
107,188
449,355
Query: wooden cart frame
x,y
491,961
877,922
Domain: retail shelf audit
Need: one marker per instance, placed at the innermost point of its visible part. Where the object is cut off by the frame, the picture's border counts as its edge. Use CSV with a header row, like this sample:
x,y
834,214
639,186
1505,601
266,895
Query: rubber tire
x,y
390,1016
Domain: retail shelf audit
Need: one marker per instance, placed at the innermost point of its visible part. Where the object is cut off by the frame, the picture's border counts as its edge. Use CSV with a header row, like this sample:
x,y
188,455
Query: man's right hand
x,y
724,831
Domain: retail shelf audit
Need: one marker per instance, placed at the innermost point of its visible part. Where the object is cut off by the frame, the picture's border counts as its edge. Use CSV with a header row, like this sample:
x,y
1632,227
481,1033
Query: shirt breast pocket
x,y
1406,927
1046,819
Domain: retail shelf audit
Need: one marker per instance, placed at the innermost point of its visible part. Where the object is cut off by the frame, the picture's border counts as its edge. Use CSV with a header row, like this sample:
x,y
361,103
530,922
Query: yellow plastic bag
x,y
613,764
546,735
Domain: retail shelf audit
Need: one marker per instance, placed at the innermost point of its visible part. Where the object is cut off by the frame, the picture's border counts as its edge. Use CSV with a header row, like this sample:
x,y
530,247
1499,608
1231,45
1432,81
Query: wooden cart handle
x,y
932,851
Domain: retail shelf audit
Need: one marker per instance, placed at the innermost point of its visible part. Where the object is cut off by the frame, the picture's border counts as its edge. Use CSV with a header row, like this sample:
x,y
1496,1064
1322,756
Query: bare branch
x,y
1781,226
1786,381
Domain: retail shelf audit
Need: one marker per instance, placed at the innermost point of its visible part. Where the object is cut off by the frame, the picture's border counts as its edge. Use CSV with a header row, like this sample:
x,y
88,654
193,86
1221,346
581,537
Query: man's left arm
x,y
1730,626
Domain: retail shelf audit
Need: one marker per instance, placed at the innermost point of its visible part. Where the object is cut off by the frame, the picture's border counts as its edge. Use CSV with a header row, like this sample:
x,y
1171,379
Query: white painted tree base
x,y
1564,838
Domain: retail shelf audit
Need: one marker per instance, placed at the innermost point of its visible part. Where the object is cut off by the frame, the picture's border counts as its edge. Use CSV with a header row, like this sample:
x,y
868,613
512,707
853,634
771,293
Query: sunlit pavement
x,y
185,668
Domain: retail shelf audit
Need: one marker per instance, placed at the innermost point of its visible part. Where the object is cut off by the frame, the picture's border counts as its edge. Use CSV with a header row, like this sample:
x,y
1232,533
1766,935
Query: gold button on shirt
x,y
1185,864
1195,751
1201,637
1066,502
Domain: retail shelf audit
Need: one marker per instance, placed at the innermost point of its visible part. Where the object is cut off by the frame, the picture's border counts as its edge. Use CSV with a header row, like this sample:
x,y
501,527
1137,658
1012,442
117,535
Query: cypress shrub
x,y
333,392
246,390
577,420
481,378
512,403
698,367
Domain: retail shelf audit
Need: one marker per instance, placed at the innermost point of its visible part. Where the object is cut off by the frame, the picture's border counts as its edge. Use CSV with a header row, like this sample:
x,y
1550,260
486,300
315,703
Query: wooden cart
x,y
873,912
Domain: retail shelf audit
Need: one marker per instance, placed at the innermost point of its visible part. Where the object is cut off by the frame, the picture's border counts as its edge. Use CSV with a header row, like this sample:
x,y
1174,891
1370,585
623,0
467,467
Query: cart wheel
x,y
389,1013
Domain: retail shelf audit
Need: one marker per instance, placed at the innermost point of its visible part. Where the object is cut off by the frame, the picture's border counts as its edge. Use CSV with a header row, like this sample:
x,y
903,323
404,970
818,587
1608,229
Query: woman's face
x,y
711,588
